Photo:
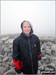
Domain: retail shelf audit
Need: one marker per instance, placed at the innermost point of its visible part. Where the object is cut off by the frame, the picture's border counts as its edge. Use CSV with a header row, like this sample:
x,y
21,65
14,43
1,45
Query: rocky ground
x,y
48,61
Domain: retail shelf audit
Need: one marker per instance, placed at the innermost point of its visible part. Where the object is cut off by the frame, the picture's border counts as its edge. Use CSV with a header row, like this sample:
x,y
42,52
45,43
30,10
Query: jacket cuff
x,y
18,71
39,56
18,64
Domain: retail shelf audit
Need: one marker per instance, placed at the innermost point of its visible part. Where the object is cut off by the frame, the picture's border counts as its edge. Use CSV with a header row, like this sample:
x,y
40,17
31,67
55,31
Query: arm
x,y
39,53
39,50
16,56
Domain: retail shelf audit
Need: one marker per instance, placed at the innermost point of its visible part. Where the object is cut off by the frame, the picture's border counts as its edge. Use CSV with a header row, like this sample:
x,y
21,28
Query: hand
x,y
39,63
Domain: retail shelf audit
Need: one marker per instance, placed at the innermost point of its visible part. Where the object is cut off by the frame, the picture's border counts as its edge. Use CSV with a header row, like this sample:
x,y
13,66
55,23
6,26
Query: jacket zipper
x,y
31,55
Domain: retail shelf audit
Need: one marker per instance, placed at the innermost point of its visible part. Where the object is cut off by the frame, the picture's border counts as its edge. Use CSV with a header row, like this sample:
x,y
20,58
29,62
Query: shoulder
x,y
35,36
16,40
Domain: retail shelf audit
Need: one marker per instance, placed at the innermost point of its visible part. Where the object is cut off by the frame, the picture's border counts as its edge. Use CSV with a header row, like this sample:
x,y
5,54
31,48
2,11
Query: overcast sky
x,y
41,14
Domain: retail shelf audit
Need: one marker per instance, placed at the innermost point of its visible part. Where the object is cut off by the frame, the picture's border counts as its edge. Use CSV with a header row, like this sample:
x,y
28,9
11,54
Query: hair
x,y
29,24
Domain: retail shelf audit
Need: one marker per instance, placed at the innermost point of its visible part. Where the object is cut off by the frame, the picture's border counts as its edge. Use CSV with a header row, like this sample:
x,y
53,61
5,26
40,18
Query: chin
x,y
27,33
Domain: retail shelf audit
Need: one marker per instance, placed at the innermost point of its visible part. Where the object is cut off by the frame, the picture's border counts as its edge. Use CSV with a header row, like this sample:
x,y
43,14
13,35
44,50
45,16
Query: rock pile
x,y
6,50
48,51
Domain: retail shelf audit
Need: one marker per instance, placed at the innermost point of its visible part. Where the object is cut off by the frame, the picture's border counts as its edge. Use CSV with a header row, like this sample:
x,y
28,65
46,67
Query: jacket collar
x,y
24,35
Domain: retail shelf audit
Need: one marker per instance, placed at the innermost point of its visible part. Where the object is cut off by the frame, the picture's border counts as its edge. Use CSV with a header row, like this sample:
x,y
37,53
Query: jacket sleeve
x,y
16,50
16,56
39,50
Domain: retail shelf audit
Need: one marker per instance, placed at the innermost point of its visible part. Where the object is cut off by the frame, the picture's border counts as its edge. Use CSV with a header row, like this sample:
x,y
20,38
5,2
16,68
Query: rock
x,y
53,47
9,54
48,51
51,66
0,61
10,41
55,40
42,67
49,43
0,42
4,38
5,54
2,64
49,57
10,46
3,46
45,60
6,59
53,59
2,52
1,56
43,46
10,72
11,50
6,49
6,69
6,42
53,52
47,47
0,49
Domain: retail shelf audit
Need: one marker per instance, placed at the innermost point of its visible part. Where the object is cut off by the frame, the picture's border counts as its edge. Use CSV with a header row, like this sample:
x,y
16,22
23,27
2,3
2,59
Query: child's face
x,y
26,28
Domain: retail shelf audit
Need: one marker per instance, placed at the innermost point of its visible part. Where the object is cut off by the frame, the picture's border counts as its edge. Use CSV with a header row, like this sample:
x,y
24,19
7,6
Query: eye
x,y
29,27
24,26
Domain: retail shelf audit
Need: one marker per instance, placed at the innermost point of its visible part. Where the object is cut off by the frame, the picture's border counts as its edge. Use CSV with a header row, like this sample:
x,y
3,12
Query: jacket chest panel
x,y
34,46
23,44
24,48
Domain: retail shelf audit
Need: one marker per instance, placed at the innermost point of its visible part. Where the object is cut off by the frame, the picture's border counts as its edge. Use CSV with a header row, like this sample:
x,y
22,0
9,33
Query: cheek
x,y
29,29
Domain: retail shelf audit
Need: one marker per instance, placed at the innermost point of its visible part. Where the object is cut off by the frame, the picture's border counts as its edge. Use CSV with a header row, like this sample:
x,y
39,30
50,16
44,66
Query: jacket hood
x,y
29,24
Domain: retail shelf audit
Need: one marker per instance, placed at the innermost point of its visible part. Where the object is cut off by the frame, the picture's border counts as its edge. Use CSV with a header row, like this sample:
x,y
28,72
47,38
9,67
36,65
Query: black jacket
x,y
26,53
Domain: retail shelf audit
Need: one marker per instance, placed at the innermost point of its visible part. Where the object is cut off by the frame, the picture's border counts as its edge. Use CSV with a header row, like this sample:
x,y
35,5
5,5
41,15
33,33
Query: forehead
x,y
26,24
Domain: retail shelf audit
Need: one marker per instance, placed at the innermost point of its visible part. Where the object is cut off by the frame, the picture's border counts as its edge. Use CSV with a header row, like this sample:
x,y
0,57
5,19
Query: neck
x,y
27,34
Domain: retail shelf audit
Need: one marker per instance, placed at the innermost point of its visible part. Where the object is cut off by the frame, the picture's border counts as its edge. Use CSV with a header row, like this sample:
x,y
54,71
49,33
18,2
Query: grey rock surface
x,y
48,51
